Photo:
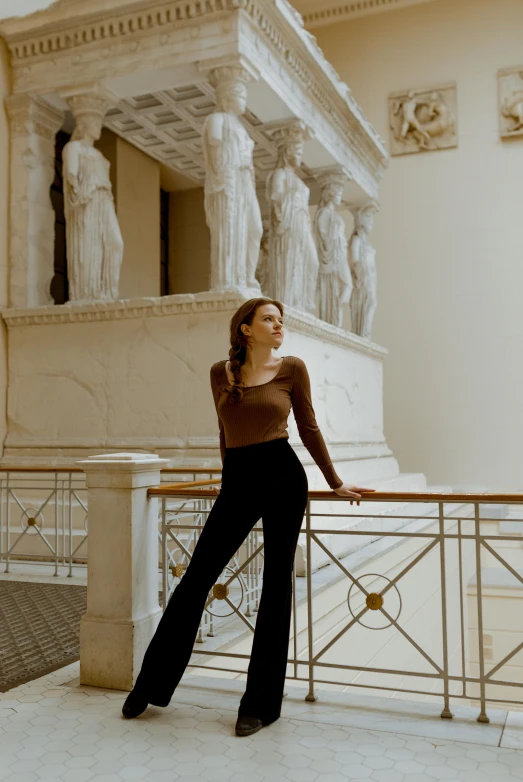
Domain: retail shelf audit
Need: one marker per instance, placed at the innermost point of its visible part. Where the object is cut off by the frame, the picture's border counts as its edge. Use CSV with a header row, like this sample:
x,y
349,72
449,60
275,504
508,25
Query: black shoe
x,y
246,726
134,705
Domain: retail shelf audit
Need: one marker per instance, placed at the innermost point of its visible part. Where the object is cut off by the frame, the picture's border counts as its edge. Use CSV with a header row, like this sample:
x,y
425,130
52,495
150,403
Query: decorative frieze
x,y
423,120
180,304
510,92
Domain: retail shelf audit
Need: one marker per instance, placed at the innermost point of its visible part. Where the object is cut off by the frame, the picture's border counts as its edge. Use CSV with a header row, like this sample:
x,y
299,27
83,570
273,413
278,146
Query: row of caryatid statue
x,y
298,261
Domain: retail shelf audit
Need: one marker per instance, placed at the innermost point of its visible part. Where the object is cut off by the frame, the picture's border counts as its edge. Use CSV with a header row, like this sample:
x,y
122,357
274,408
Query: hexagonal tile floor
x,y
53,729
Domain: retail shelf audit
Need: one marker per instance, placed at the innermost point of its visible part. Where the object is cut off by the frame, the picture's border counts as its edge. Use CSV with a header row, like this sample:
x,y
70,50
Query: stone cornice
x,y
181,304
61,32
320,14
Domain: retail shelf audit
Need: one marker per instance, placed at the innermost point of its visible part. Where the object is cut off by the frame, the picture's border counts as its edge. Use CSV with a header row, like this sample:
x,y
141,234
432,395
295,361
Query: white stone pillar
x,y
33,128
122,582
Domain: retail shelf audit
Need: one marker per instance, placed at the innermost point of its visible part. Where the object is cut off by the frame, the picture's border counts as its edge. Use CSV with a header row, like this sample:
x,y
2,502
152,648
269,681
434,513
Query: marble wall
x,y
136,188
130,376
448,239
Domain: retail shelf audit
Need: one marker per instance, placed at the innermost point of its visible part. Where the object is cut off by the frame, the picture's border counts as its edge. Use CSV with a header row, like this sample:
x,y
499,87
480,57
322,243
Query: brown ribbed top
x,y
262,413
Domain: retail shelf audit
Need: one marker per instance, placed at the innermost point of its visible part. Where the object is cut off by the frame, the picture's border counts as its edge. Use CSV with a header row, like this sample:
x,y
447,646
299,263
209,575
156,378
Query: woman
x,y
262,477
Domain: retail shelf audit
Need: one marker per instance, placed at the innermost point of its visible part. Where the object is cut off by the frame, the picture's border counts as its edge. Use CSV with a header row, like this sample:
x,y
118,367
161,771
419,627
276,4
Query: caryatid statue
x,y
292,271
362,259
231,206
93,236
334,278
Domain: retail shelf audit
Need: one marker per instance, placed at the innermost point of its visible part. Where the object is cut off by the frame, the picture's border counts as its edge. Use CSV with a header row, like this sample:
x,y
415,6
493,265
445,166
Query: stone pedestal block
x,y
122,583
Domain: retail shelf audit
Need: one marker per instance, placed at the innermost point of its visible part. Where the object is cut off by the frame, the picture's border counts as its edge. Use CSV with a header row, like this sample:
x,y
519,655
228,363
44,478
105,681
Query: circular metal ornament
x,y
31,520
221,591
375,600
176,570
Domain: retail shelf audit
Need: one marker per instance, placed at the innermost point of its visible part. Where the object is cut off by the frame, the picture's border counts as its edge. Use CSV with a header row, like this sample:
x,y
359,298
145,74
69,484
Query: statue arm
x,y
354,256
71,161
214,130
276,195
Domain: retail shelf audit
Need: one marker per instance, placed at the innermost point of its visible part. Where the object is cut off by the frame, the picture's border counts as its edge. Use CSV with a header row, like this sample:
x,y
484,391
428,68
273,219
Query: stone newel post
x,y
122,585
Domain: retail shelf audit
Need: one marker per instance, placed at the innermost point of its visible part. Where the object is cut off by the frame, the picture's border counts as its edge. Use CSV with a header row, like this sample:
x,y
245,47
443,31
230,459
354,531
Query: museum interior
x,y
162,162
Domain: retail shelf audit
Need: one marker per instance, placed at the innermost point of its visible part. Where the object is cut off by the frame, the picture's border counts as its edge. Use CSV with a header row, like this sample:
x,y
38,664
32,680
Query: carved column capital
x,y
232,69
291,130
91,99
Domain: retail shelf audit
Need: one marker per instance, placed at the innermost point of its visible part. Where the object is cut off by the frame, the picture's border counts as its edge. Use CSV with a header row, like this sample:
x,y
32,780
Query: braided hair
x,y
238,350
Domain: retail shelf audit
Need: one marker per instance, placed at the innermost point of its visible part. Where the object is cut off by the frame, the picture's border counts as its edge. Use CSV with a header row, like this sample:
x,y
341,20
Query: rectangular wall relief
x,y
510,94
423,120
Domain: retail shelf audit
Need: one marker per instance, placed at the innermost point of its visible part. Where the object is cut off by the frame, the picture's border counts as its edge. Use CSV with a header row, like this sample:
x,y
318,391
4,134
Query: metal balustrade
x,y
445,545
44,515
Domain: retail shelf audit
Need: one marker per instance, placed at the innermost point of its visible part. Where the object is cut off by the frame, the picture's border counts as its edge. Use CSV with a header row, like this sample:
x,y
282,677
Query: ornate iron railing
x,y
424,574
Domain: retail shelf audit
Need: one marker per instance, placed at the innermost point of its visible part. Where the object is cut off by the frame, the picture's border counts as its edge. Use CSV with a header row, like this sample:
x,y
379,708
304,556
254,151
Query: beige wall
x,y
189,243
136,186
4,245
449,240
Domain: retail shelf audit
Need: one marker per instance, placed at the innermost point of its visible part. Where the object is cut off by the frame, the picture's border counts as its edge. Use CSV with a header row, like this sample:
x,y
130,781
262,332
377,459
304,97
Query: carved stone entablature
x,y
510,92
123,42
317,13
181,304
422,120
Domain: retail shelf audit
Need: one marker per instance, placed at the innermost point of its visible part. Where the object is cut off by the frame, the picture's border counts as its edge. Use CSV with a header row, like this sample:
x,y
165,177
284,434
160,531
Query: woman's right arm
x,y
216,394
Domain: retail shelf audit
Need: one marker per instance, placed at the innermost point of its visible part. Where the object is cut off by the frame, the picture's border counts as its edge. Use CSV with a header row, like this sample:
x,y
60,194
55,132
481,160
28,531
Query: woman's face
x,y
266,327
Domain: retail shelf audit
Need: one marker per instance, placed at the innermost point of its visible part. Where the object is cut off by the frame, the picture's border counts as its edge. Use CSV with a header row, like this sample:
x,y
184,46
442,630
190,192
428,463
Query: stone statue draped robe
x,y
231,206
292,266
334,278
363,300
94,240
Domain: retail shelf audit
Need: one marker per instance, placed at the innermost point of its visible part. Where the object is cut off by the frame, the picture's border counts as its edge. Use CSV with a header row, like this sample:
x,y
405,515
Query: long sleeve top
x,y
262,413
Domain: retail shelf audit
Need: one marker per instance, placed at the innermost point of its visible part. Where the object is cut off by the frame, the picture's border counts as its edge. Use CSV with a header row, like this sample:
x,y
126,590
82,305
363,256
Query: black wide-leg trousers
x,y
264,481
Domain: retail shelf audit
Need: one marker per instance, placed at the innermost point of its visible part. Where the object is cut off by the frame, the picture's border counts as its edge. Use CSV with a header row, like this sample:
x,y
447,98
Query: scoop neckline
x,y
258,385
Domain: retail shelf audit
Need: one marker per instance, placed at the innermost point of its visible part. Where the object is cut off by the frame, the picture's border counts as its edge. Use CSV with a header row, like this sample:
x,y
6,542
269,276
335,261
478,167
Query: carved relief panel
x,y
510,93
423,120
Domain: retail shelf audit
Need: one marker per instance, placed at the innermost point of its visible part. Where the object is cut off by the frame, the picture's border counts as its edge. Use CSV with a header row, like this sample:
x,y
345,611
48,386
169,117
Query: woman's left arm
x,y
311,435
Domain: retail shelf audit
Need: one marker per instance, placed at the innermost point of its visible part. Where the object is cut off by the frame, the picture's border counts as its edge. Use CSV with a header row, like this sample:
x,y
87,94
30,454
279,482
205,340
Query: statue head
x,y
230,83
231,97
88,127
290,139
332,185
89,111
364,218
293,152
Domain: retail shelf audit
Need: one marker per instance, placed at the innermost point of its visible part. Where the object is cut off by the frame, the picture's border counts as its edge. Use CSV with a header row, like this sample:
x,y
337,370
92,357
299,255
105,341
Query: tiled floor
x,y
52,729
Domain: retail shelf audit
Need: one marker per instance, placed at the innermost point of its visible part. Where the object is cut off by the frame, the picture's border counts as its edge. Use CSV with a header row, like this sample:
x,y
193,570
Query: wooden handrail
x,y
173,487
178,470
180,490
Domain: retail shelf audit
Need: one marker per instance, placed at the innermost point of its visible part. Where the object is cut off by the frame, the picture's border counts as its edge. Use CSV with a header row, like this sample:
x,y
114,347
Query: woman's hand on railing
x,y
351,492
